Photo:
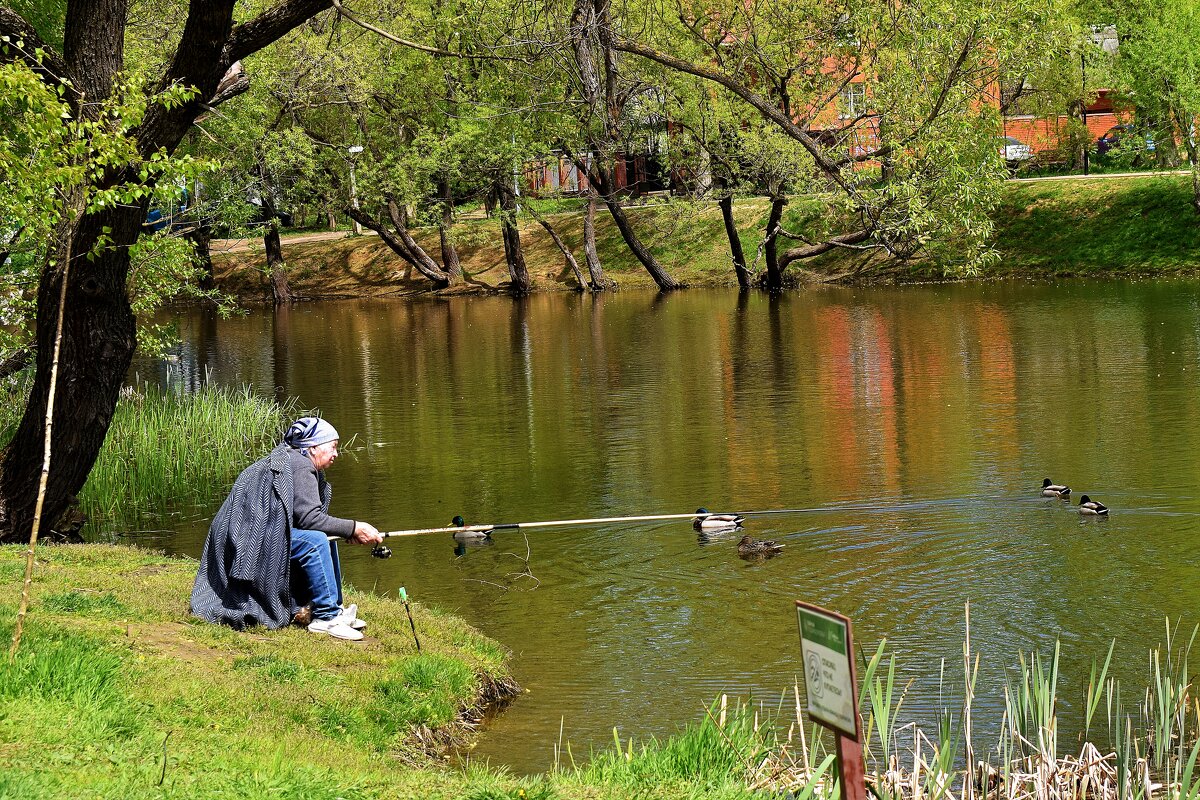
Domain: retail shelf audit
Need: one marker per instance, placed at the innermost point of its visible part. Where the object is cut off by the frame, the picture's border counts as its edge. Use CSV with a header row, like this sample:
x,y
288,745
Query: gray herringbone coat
x,y
245,567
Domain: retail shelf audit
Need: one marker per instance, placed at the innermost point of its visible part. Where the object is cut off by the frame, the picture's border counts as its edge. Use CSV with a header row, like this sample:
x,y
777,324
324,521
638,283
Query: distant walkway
x,y
1148,174
244,245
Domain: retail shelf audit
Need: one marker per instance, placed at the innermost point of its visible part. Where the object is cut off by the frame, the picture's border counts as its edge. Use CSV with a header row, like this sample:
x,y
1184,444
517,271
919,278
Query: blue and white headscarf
x,y
310,432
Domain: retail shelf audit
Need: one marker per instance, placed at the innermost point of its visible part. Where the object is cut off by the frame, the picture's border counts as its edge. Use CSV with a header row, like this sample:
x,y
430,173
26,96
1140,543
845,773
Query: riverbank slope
x,y
118,692
1099,226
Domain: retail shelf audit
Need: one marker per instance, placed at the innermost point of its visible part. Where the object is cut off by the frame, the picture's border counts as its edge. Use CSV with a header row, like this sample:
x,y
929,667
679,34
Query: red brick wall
x,y
1043,134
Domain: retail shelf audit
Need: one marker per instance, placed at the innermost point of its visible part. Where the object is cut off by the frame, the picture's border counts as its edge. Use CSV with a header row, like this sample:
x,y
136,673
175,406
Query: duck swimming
x,y
469,536
1054,490
749,546
1089,506
708,521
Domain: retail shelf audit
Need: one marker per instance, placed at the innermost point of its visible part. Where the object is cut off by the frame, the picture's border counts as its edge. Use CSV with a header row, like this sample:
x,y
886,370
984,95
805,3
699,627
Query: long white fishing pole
x,y
381,551
555,523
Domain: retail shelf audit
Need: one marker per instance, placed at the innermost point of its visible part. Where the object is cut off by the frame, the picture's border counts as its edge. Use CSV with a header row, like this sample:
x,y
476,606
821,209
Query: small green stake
x,y
404,599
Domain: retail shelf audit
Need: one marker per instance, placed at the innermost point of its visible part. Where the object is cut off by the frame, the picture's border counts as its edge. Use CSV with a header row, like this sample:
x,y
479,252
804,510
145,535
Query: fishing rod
x,y
556,523
381,551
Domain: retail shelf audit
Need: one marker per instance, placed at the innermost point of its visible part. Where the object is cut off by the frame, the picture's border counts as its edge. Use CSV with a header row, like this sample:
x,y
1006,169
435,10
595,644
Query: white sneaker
x,y
349,615
336,627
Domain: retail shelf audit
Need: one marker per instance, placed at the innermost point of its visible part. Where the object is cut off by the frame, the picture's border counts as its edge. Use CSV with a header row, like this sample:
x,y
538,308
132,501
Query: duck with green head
x,y
706,520
469,536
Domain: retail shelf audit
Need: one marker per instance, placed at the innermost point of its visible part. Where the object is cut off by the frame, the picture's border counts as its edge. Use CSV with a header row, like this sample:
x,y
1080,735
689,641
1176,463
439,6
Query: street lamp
x,y
353,151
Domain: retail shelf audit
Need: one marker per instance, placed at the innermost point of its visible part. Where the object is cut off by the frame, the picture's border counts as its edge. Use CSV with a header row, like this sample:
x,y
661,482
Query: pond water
x,y
916,423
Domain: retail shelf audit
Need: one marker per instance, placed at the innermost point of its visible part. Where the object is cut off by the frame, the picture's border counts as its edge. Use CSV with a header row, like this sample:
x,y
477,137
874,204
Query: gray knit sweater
x,y
308,512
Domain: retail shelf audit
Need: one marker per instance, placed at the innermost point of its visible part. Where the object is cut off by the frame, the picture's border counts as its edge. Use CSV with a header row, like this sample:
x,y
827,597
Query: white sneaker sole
x,y
341,631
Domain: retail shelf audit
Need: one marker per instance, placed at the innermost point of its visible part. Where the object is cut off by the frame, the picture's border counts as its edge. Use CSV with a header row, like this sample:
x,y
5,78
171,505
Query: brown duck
x,y
749,546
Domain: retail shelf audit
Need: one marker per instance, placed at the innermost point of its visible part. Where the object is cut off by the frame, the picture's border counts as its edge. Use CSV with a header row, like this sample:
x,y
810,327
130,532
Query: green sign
x,y
828,669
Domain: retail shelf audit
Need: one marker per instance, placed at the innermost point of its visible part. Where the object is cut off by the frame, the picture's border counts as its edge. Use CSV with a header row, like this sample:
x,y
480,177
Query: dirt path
x,y
245,245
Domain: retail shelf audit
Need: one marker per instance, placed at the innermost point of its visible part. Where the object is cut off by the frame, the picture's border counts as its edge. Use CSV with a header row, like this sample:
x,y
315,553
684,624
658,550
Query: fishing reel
x,y
381,551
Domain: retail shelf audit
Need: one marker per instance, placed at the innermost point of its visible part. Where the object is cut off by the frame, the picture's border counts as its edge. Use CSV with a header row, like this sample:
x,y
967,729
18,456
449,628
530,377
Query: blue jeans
x,y
316,556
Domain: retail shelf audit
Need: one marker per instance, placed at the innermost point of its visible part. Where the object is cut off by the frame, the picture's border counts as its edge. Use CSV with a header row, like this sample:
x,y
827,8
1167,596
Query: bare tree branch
x,y
816,249
252,36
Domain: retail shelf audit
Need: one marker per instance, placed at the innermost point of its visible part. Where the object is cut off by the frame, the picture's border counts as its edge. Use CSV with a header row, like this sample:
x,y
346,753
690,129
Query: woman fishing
x,y
271,535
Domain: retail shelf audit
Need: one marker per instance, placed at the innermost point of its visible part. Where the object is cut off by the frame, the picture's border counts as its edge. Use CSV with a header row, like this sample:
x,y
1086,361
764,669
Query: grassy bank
x,y
117,692
1142,226
1136,226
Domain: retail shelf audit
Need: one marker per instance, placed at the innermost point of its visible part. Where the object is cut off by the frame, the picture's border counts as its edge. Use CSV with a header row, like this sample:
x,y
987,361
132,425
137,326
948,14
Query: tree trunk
x,y
97,346
600,177
275,264
773,278
450,260
201,237
568,256
599,282
331,220
99,336
816,249
517,271
398,246
735,240
590,28
421,259
1195,180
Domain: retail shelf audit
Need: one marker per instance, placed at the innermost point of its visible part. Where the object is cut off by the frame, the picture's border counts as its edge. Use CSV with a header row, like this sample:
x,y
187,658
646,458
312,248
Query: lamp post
x,y
1087,135
354,150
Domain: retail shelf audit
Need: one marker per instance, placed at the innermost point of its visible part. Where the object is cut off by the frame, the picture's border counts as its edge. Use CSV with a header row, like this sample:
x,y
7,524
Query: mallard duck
x,y
707,521
1089,506
749,546
468,536
1054,490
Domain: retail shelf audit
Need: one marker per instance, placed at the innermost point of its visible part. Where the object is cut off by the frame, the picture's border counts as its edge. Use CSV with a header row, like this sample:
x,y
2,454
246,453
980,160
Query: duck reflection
x,y
717,535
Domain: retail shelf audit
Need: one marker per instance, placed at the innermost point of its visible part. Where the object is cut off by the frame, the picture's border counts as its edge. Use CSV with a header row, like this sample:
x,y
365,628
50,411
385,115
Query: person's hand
x,y
365,533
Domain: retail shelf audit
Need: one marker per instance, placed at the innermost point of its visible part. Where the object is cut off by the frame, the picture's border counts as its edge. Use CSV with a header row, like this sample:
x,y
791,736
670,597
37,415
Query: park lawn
x,y
1140,226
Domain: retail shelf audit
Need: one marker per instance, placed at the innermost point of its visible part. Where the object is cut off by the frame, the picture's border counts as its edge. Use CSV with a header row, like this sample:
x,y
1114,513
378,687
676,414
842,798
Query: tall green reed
x,y
723,747
1031,707
168,450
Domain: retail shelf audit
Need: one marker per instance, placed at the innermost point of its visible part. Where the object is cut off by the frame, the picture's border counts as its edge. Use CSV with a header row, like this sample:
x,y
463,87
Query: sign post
x,y
831,683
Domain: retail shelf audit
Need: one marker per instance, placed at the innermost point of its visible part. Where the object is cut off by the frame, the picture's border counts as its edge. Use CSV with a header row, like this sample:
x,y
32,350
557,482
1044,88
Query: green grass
x,y
118,693
1108,226
706,759
166,449
113,672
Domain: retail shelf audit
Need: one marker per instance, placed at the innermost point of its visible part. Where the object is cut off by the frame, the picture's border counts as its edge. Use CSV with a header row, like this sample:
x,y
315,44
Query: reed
x,y
1154,750
168,450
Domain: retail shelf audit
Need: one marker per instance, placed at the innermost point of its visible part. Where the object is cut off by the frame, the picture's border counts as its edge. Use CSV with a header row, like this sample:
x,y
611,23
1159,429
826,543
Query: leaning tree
x,y
98,324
